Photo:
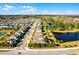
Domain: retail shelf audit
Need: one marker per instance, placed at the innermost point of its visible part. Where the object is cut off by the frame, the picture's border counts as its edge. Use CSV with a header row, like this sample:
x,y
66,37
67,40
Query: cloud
x,y
65,12
60,12
28,9
72,12
0,6
26,6
8,7
23,6
16,12
45,11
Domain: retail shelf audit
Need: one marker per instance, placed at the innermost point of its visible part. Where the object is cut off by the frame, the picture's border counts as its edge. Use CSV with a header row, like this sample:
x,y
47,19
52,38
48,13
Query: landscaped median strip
x,y
32,33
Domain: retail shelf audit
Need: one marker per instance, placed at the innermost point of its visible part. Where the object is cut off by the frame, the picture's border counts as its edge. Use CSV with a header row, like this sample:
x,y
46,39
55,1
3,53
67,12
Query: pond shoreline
x,y
75,30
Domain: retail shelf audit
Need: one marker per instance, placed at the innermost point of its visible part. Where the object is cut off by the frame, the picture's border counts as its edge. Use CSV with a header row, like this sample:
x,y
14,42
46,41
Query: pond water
x,y
68,36
2,33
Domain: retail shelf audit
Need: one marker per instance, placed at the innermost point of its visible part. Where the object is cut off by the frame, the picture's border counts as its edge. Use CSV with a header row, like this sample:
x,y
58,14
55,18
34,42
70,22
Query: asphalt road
x,y
41,52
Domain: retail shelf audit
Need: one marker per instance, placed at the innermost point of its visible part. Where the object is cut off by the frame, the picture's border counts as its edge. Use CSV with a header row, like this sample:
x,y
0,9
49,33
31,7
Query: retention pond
x,y
67,36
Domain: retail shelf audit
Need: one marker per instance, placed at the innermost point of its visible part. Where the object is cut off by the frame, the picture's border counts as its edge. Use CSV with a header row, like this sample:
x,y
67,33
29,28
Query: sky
x,y
39,8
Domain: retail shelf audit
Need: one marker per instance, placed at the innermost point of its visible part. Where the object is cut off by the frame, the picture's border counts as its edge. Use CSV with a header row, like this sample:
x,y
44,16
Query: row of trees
x,y
60,25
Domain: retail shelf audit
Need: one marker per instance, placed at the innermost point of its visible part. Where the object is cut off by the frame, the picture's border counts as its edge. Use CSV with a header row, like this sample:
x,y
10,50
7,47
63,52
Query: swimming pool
x,y
2,33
